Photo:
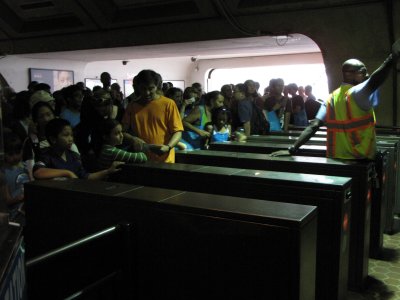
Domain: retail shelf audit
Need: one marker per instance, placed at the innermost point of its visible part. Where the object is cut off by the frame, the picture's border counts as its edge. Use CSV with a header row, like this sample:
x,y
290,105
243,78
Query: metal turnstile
x,y
386,140
384,205
393,223
12,263
361,172
185,245
330,193
267,148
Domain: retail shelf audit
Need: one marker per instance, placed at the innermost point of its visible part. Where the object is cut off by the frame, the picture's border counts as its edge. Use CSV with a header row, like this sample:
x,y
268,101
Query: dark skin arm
x,y
193,116
380,74
303,138
307,133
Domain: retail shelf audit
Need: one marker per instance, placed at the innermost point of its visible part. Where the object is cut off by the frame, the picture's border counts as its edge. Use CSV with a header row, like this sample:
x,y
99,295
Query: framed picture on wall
x,y
57,79
92,82
128,88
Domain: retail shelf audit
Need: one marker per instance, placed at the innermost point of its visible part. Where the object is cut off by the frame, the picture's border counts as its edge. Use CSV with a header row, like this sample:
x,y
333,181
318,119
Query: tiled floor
x,y
384,281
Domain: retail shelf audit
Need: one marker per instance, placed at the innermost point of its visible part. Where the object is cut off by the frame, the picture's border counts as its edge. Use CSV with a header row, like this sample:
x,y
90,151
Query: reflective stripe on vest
x,y
344,136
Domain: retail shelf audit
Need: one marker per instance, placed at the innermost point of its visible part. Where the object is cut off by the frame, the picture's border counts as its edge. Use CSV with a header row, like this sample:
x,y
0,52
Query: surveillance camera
x,y
124,62
193,59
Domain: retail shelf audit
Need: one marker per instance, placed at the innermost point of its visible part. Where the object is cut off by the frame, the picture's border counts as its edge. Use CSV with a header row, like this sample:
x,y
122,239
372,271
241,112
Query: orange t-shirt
x,y
155,123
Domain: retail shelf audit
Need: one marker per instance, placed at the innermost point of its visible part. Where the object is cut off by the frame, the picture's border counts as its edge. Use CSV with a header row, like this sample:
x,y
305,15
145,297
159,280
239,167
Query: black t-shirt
x,y
297,101
312,106
272,100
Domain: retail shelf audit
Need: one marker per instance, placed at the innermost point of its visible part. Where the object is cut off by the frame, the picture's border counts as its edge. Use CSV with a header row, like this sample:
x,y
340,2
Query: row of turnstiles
x,y
230,222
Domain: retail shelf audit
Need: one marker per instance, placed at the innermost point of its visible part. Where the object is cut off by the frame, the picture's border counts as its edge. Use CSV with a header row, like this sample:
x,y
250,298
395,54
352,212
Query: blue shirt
x,y
245,110
52,160
73,117
220,136
15,178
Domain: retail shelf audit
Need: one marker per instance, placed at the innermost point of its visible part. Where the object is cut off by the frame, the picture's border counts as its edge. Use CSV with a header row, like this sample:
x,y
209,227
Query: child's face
x,y
64,79
65,139
116,136
222,119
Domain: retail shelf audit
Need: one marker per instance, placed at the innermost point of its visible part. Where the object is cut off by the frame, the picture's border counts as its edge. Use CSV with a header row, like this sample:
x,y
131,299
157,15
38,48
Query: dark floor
x,y
384,281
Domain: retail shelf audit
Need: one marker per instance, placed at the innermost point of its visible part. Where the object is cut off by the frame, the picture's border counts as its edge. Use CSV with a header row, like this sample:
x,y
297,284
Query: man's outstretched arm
x,y
379,75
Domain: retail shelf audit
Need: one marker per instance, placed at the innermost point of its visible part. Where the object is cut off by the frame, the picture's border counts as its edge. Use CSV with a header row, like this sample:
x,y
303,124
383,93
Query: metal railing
x,y
76,260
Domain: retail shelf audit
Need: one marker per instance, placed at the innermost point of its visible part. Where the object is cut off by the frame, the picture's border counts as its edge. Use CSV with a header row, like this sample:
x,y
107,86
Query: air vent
x,y
66,23
36,5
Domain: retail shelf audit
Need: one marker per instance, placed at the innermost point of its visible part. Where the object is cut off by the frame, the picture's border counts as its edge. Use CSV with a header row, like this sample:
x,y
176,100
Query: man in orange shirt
x,y
154,118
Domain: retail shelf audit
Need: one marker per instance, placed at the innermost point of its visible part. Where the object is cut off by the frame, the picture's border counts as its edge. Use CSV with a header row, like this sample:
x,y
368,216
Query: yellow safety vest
x,y
350,130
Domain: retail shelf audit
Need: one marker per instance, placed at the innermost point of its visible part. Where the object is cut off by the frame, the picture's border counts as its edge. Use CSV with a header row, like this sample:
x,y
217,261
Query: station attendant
x,y
348,113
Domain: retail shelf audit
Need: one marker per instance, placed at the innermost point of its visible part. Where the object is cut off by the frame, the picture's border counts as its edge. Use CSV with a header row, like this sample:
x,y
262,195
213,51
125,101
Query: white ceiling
x,y
252,46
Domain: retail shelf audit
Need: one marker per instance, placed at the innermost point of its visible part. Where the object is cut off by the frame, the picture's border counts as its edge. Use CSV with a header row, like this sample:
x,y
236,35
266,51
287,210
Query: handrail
x,y
90,287
70,246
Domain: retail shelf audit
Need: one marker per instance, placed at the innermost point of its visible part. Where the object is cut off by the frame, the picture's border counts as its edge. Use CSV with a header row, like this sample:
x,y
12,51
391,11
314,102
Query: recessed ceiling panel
x,y
158,11
25,18
55,23
33,9
132,13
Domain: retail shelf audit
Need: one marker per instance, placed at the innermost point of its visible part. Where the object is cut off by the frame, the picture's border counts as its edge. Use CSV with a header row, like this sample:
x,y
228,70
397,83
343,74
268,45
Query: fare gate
x,y
393,224
185,245
267,148
362,190
316,150
331,195
389,144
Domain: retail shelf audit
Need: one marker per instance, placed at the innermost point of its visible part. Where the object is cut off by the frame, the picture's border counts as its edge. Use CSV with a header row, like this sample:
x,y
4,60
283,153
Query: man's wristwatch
x,y
292,150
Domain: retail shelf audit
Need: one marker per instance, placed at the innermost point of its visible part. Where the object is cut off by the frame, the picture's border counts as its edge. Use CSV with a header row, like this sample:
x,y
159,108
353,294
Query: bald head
x,y
354,71
353,65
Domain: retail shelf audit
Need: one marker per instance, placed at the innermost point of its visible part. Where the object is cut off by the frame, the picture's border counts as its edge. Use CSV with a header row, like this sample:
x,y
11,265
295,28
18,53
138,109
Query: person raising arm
x,y
348,113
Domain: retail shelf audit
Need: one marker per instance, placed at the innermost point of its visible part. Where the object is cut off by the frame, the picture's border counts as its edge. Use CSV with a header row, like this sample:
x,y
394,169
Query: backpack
x,y
258,123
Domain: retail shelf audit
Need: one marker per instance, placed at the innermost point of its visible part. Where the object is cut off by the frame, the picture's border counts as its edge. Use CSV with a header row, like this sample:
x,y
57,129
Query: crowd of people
x,y
76,132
